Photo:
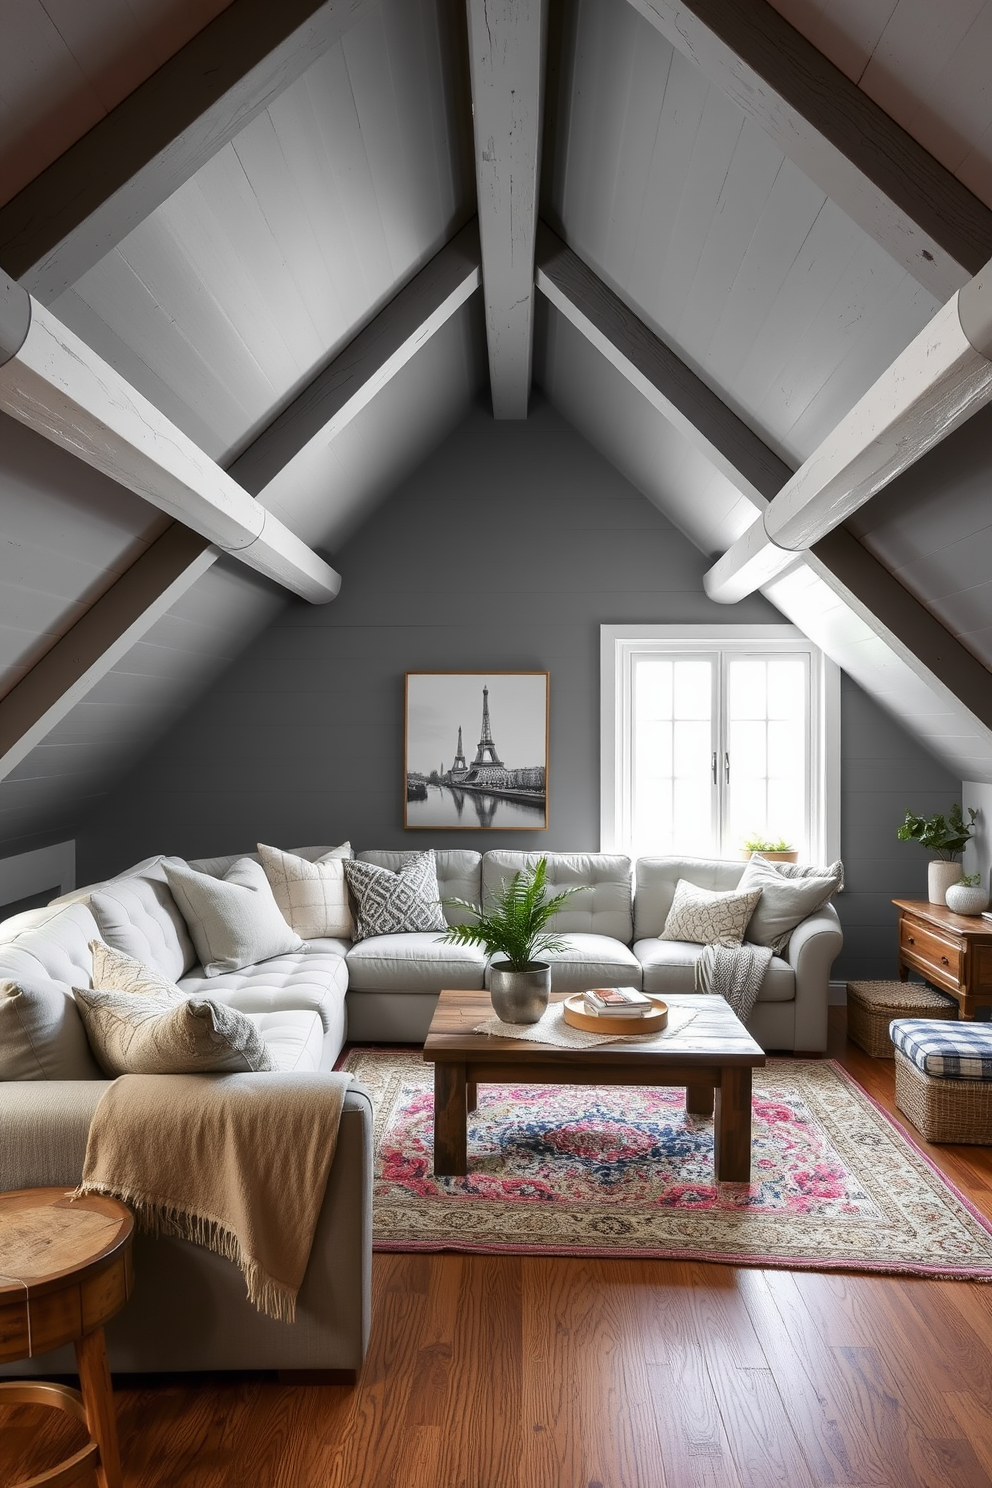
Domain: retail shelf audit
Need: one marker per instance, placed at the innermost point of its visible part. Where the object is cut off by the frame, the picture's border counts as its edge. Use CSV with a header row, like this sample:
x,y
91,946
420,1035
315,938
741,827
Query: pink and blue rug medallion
x,y
572,1170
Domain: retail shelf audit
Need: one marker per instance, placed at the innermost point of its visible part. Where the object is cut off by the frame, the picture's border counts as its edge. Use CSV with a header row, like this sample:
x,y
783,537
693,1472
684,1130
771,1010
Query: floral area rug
x,y
575,1170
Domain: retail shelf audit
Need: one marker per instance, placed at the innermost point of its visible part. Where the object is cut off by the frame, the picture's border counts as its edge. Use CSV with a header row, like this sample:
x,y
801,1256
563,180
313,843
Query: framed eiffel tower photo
x,y
476,751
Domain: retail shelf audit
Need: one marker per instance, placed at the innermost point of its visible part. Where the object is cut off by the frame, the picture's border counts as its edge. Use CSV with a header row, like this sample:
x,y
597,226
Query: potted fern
x,y
512,926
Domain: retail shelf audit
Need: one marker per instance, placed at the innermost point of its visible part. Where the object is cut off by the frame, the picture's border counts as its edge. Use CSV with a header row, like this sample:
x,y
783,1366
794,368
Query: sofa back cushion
x,y
603,907
655,881
459,873
41,1033
140,917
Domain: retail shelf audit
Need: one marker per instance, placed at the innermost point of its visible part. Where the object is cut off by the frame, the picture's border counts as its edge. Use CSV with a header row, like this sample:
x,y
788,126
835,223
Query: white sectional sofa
x,y
189,1310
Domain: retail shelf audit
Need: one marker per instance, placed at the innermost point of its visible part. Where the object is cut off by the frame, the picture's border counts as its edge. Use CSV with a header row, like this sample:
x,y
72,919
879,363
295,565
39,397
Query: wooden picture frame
x,y
475,754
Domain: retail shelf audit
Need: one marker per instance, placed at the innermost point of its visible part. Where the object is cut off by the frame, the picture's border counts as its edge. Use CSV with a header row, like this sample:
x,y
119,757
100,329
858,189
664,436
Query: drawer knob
x,y
911,940
945,960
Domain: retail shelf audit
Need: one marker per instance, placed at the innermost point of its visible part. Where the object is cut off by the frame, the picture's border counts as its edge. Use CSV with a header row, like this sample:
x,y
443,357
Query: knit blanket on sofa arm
x,y
733,972
237,1163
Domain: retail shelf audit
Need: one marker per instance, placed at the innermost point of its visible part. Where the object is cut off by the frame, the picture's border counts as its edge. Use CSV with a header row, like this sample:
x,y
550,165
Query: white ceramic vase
x,y
967,899
940,876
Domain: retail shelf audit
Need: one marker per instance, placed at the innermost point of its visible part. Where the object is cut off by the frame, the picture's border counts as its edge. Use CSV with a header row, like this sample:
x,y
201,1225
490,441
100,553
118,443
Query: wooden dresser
x,y
952,951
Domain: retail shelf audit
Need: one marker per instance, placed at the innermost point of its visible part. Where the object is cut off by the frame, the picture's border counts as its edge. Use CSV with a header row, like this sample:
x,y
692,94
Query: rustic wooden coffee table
x,y
712,1057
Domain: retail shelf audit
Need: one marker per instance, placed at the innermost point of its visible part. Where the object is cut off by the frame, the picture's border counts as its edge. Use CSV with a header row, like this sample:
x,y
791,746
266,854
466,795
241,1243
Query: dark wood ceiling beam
x,y
658,373
507,44
97,191
871,167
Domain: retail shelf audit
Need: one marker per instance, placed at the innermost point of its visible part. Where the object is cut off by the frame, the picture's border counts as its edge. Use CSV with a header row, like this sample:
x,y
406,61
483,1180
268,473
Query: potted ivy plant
x,y
512,926
945,836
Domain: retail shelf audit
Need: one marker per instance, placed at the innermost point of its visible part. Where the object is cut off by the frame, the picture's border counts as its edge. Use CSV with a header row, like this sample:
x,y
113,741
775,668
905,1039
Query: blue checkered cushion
x,y
958,1051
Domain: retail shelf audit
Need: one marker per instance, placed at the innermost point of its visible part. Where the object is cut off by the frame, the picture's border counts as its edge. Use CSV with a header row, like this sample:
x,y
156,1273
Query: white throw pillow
x,y
790,893
132,1035
707,916
41,1033
312,897
234,921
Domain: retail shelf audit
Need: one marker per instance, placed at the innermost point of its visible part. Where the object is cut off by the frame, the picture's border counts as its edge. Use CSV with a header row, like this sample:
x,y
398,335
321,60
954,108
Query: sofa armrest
x,y
45,1124
813,947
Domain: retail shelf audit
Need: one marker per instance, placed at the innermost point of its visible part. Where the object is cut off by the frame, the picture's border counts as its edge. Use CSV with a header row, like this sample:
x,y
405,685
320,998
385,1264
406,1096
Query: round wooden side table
x,y
65,1270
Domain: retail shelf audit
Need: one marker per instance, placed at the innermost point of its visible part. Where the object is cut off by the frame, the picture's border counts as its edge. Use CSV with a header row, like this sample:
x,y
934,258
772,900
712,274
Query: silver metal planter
x,y
519,996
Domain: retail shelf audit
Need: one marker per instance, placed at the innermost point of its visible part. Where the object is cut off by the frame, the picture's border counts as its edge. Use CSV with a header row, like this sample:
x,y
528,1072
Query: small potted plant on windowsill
x,y
778,850
512,926
946,836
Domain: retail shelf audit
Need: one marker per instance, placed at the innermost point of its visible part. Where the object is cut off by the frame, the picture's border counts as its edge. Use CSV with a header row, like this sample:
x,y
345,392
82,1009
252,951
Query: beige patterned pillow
x,y
116,971
313,897
152,1036
708,917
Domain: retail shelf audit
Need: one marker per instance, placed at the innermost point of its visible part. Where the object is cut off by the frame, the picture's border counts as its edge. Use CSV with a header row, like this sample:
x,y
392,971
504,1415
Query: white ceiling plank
x,y
93,195
871,167
56,385
507,41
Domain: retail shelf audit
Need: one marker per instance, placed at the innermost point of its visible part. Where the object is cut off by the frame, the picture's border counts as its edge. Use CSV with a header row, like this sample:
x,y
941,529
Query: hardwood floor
x,y
529,1372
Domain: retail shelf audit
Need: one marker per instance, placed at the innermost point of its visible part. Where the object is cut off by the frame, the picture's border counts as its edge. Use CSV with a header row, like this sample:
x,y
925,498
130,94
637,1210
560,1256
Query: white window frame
x,y
620,643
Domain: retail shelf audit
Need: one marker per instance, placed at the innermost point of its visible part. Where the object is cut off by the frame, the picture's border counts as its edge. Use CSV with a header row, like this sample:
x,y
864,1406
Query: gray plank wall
x,y
508,548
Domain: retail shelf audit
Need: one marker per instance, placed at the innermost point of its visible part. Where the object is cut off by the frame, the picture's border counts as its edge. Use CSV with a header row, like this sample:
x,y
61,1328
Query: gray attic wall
x,y
507,549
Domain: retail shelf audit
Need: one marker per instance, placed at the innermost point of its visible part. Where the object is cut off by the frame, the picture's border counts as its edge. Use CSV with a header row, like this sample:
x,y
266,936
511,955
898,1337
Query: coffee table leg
x,y
699,1099
98,1399
732,1126
450,1109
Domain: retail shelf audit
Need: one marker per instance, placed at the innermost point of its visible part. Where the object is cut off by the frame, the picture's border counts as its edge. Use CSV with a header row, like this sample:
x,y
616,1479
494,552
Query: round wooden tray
x,y
573,1011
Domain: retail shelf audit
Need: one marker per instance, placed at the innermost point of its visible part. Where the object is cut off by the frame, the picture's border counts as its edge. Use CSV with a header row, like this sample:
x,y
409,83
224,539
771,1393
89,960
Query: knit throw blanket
x,y
733,972
237,1163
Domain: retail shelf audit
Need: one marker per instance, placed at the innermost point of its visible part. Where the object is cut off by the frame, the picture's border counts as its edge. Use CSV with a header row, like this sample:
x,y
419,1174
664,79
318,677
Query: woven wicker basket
x,y
944,1110
871,1006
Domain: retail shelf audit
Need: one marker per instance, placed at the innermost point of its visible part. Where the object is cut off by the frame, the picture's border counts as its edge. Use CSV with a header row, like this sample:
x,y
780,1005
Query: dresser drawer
x,y
926,945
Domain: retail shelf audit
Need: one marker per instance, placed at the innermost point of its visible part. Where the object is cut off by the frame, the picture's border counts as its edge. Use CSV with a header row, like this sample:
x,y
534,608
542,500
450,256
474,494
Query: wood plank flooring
x,y
530,1372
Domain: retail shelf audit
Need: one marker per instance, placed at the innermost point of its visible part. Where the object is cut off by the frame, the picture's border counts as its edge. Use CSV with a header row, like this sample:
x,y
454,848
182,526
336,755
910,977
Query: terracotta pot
x,y
773,857
940,876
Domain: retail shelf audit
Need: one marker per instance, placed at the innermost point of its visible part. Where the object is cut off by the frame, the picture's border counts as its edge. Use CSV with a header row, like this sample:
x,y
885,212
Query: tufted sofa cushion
x,y
459,873
414,961
656,881
669,966
602,907
139,916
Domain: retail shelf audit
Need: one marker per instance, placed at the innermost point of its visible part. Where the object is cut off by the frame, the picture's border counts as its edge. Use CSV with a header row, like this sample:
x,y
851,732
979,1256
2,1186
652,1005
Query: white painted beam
x,y
55,384
902,197
941,379
658,374
87,201
153,583
507,41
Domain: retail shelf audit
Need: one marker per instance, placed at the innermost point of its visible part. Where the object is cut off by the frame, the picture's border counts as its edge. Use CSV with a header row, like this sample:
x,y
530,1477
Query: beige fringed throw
x,y
237,1163
733,972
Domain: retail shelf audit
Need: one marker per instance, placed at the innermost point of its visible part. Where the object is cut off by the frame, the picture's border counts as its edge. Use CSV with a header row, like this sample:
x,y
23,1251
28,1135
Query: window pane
x,y
693,691
692,754
672,795
787,688
652,689
746,689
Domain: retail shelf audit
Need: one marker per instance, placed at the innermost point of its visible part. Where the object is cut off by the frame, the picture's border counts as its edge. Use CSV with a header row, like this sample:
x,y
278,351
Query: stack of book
x,y
617,1002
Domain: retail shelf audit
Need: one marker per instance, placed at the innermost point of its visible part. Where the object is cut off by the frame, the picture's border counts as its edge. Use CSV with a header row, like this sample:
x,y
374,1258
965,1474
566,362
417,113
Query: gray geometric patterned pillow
x,y
388,903
708,917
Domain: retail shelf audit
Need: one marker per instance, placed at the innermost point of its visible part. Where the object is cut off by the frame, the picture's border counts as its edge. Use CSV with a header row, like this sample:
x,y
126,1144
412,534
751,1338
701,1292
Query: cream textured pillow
x,y
116,971
150,1036
234,921
312,897
790,893
709,917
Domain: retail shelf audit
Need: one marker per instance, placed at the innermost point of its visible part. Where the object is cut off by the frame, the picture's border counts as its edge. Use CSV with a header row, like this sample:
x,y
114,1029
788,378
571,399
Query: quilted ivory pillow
x,y
312,897
790,892
152,1036
708,917
389,903
233,921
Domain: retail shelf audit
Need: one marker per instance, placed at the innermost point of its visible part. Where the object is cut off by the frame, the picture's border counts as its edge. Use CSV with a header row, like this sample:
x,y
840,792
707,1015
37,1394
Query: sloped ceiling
x,y
254,275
